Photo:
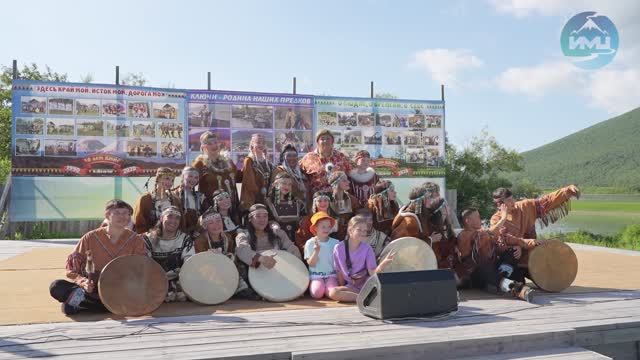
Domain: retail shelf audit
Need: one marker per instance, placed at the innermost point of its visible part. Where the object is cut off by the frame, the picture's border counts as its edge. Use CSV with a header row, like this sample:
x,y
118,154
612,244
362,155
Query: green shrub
x,y
5,169
628,238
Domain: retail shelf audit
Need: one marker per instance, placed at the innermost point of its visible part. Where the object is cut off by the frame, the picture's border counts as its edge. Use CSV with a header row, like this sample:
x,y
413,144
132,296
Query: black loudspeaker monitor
x,y
409,294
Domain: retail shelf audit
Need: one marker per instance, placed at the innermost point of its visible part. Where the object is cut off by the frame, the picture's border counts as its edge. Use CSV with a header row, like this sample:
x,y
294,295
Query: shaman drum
x,y
553,266
132,285
209,278
286,281
412,254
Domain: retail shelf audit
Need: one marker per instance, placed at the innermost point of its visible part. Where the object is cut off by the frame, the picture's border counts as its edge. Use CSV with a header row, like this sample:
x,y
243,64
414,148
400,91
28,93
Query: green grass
x,y
608,190
613,206
39,231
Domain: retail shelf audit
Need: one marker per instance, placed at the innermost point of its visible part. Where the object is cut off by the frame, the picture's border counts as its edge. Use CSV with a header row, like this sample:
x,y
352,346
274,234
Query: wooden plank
x,y
569,353
242,333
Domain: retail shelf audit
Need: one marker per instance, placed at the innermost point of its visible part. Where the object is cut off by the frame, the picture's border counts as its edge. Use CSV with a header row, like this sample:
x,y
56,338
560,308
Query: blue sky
x,y
500,61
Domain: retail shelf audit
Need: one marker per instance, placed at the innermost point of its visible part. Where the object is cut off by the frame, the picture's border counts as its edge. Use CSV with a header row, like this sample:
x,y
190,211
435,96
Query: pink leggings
x,y
318,288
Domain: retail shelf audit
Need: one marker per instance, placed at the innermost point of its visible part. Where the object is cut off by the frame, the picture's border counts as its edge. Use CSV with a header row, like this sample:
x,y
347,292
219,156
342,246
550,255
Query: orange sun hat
x,y
317,217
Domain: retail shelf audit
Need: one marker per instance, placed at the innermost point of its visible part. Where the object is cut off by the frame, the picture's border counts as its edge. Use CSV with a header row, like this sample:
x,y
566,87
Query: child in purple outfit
x,y
354,261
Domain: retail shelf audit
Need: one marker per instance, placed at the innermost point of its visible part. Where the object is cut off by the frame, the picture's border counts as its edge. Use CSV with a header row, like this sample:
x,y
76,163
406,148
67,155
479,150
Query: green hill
x,y
604,155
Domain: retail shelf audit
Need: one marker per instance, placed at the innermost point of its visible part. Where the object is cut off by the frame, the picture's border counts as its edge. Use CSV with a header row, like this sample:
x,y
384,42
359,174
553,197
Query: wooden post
x,y
117,75
372,89
208,80
15,69
294,85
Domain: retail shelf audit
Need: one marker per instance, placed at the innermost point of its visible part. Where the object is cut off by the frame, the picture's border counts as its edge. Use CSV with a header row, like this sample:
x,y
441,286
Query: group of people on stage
x,y
334,215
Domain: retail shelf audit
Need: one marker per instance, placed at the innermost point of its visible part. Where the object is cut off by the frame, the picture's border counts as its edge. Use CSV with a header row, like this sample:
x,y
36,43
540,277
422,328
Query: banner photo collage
x,y
404,137
96,130
235,116
72,129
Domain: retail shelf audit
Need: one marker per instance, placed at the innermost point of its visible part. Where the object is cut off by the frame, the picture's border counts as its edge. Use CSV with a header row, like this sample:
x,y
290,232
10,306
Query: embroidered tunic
x,y
255,182
218,174
314,167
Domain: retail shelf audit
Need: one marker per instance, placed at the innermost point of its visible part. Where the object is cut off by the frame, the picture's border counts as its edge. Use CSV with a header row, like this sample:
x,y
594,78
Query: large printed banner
x,y
96,130
235,116
65,133
404,137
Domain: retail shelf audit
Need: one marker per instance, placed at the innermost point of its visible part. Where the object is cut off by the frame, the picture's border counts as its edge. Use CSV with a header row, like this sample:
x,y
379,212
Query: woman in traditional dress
x,y
170,248
343,205
384,206
363,178
283,206
217,171
289,165
150,205
259,236
256,174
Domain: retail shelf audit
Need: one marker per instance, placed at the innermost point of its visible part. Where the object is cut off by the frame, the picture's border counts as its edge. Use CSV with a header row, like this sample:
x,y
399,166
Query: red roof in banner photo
x,y
91,165
393,165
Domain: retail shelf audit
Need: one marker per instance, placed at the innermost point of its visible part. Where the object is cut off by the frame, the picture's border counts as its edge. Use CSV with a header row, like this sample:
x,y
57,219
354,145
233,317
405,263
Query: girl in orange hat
x,y
318,252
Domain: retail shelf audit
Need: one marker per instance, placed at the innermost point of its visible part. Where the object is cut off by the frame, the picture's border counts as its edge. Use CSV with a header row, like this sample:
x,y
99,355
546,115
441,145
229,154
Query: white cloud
x,y
446,66
538,80
522,8
614,88
616,91
623,13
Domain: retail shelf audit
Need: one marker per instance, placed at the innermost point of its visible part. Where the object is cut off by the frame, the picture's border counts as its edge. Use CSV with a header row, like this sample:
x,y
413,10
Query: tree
x,y
29,72
87,79
134,79
385,95
476,171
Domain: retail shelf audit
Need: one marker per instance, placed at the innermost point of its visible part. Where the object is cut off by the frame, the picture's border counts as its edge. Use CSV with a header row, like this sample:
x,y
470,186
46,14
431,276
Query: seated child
x,y
354,261
318,252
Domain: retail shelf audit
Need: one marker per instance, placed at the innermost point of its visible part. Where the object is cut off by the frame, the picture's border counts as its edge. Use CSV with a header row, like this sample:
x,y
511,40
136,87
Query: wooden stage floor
x,y
594,316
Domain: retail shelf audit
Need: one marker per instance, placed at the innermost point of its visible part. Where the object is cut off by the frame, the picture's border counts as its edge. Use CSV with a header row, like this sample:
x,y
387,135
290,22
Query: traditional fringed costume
x,y
256,175
98,244
149,206
363,181
299,188
343,205
383,206
192,202
249,244
487,262
418,220
487,259
170,254
217,241
313,165
377,240
217,173
230,218
285,211
521,219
